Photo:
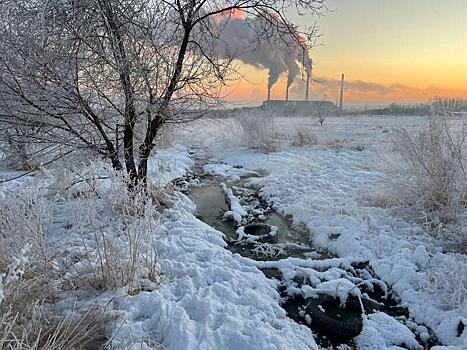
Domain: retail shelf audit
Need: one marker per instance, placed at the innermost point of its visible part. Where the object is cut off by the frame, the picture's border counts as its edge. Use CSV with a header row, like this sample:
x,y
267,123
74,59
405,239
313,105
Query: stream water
x,y
291,240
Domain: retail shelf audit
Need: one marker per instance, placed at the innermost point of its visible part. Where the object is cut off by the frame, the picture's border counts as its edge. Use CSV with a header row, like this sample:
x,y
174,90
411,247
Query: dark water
x,y
292,241
211,206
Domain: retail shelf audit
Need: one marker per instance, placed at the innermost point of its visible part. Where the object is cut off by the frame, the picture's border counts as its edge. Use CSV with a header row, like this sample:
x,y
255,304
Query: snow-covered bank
x,y
209,298
236,211
322,189
169,164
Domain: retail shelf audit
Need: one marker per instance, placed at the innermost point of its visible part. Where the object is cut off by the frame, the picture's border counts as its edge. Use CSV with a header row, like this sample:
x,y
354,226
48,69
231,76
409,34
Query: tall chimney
x,y
341,100
287,93
307,87
269,94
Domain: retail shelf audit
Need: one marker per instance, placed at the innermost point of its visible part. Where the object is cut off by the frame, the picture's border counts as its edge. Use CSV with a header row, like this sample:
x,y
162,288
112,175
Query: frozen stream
x,y
291,241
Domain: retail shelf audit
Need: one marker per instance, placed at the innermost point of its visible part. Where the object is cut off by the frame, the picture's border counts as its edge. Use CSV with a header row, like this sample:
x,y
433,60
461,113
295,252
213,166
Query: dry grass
x,y
303,137
29,319
429,177
25,218
108,242
446,281
258,131
44,330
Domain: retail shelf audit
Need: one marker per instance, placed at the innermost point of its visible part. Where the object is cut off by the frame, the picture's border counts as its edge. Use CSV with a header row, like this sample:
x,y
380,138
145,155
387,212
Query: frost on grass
x,y
446,278
29,319
428,177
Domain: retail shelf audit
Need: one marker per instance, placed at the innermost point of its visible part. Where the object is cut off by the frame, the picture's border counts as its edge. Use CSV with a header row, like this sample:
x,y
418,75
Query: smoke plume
x,y
278,54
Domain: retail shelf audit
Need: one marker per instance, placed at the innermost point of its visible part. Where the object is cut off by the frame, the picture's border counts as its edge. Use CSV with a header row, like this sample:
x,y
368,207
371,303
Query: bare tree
x,y
322,111
108,74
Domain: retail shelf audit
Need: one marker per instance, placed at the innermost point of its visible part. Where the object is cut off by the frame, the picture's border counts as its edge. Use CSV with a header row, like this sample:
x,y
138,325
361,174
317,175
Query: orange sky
x,y
390,50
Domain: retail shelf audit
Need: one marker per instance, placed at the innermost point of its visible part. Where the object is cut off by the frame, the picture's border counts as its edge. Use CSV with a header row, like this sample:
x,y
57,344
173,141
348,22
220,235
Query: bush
x,y
25,219
304,138
430,177
258,130
444,280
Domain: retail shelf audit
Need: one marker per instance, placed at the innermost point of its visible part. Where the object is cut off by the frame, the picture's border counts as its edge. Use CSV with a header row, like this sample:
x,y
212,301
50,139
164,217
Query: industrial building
x,y
303,107
298,108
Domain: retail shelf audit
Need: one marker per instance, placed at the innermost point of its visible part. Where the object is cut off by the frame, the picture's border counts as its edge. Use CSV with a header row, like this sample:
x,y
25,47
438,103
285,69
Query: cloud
x,y
358,90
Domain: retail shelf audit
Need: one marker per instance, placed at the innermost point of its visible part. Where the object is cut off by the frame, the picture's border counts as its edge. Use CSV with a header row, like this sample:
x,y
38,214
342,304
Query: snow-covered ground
x,y
325,187
322,189
209,298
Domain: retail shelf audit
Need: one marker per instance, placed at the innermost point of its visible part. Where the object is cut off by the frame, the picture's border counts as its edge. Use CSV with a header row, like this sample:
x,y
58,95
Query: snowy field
x,y
208,298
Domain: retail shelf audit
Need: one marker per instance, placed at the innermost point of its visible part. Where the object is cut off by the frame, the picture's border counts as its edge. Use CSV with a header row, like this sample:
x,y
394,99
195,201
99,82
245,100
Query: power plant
x,y
304,107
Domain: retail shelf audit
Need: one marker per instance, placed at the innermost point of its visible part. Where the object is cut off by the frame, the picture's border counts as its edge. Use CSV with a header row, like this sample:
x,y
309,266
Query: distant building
x,y
298,108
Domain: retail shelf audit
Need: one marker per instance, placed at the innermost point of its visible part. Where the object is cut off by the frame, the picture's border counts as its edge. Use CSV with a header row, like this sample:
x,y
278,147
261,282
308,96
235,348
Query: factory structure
x,y
297,108
304,107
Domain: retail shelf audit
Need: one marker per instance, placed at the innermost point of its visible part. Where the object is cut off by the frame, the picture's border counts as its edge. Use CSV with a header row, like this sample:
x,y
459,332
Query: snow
x,y
169,164
324,191
236,211
241,235
210,299
421,256
382,332
340,288
227,171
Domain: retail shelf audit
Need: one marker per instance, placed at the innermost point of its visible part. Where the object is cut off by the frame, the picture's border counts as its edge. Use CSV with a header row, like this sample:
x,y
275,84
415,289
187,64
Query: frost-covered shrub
x,y
258,130
74,178
25,218
446,278
429,176
304,137
116,230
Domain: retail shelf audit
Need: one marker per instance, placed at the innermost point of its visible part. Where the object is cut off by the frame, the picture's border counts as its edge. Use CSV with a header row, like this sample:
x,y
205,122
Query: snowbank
x,y
236,211
382,332
211,299
169,164
227,171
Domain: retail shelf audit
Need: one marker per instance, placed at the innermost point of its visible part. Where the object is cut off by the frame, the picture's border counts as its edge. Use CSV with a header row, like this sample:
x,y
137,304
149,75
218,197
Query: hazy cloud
x,y
328,88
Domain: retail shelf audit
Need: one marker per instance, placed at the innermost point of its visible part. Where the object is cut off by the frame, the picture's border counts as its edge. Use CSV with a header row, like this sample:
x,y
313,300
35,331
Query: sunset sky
x,y
389,50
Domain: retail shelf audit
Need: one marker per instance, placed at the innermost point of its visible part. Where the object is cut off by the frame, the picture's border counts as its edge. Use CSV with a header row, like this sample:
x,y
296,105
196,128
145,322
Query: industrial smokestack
x,y
341,100
269,94
307,87
287,93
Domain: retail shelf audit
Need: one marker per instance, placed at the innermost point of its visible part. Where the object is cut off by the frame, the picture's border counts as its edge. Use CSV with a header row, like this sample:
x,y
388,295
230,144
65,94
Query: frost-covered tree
x,y
108,74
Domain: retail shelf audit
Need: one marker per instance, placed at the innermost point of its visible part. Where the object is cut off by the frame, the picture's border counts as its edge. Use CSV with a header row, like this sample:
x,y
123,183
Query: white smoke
x,y
239,39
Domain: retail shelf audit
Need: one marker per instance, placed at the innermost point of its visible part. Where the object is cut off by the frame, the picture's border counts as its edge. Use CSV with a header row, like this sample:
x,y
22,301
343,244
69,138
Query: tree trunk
x,y
156,123
123,66
146,148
